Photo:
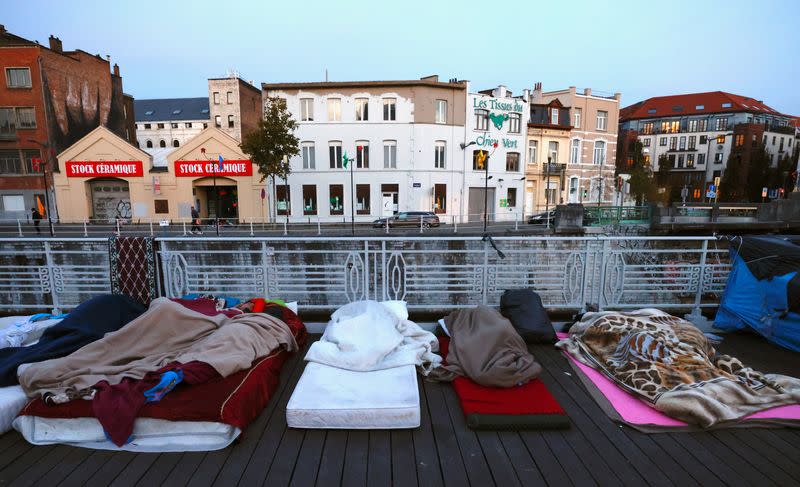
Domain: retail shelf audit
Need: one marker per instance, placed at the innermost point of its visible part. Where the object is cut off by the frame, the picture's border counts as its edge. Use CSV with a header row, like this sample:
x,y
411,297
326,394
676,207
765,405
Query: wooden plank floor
x,y
443,452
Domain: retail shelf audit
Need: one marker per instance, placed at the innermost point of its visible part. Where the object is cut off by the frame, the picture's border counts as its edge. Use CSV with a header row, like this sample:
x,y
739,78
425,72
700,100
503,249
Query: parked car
x,y
408,219
541,218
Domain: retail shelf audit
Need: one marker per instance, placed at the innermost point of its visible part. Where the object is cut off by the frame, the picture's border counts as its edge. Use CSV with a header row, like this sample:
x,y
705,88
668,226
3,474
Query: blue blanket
x,y
85,324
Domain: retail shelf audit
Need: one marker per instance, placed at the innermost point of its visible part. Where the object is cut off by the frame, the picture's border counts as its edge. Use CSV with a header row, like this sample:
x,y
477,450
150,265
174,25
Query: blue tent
x,y
763,290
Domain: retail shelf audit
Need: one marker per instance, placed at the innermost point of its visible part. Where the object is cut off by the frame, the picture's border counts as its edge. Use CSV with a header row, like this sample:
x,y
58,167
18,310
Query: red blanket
x,y
235,400
527,406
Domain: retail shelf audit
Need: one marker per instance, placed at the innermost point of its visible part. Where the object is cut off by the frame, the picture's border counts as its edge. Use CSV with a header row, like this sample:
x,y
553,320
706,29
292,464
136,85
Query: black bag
x,y
524,309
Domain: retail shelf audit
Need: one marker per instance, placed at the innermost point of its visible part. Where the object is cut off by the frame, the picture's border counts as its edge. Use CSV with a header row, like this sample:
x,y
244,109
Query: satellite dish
x,y
719,147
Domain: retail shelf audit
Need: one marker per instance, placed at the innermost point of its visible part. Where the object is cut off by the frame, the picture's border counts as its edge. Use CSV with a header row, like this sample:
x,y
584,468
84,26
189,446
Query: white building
x,y
162,125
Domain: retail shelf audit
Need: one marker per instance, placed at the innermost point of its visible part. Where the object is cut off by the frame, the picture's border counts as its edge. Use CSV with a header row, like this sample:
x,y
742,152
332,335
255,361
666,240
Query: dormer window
x,y
726,105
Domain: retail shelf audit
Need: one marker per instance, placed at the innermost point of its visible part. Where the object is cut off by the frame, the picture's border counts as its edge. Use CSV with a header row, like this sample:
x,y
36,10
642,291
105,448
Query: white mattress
x,y
332,398
149,435
12,400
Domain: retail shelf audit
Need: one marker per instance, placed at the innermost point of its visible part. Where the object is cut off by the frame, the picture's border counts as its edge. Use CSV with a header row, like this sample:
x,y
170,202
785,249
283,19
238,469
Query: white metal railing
x,y
432,274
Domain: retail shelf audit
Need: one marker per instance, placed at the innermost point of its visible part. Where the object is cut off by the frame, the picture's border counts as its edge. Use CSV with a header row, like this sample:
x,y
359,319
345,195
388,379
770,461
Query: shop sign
x,y
484,141
493,104
211,168
93,169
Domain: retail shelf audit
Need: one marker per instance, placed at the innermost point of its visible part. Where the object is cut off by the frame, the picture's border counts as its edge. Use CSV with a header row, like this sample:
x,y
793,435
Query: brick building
x,y
49,99
235,105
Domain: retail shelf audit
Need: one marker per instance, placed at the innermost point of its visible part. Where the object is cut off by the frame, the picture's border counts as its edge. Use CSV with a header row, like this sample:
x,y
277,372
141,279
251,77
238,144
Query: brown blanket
x,y
486,348
167,332
667,362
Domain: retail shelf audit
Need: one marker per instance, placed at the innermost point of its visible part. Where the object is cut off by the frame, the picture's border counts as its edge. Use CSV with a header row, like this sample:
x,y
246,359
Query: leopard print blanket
x,y
668,362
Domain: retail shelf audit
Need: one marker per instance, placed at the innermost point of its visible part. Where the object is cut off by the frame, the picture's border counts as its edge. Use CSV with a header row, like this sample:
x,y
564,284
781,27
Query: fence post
x,y
151,227
485,291
387,224
696,316
184,227
118,227
251,228
421,218
54,286
19,227
455,224
85,230
319,226
516,222
285,229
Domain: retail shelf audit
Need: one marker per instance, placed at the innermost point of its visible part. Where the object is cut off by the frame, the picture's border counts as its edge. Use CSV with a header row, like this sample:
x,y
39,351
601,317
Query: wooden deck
x,y
443,451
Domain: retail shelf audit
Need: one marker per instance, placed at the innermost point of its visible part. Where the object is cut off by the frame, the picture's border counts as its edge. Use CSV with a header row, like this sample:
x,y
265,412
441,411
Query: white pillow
x,y
399,308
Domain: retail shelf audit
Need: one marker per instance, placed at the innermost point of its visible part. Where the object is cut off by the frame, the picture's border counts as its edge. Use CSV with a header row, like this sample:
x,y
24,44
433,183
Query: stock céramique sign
x,y
198,169
94,169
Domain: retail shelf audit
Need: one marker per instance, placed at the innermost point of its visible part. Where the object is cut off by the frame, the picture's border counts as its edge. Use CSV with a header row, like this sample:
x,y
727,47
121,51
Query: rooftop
x,y
695,104
432,81
171,109
443,451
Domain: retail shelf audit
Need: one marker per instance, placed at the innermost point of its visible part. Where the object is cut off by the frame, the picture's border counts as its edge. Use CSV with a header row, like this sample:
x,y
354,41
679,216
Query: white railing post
x,y
516,222
455,224
251,228
319,226
117,227
386,224
184,227
85,229
285,228
19,227
151,227
421,218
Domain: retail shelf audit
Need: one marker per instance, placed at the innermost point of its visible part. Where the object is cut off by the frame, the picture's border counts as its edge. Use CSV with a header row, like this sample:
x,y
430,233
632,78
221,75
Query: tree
x,y
663,178
758,174
641,174
730,186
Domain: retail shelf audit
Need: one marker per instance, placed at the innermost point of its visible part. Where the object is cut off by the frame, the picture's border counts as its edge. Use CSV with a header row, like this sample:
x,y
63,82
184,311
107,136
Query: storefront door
x,y
110,199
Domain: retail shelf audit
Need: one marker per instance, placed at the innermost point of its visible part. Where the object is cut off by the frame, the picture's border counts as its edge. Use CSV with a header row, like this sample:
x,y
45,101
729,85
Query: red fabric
x,y
235,400
529,398
206,306
258,305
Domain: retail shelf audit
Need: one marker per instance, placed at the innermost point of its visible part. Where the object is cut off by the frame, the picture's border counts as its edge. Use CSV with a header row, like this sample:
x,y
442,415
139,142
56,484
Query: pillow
x,y
398,308
525,311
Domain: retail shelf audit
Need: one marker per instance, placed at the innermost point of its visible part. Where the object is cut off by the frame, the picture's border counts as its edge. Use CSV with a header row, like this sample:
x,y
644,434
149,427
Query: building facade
x,y
235,105
162,125
696,133
49,99
546,159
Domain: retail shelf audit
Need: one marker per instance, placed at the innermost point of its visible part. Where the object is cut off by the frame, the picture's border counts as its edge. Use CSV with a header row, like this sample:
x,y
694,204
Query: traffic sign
x,y
712,187
764,192
711,194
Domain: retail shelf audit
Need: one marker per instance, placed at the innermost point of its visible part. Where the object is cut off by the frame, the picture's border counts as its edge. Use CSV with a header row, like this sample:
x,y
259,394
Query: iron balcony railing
x,y
431,274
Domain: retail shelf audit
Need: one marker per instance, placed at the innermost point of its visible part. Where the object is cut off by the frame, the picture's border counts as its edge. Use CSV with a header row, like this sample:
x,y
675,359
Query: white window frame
x,y
602,120
218,121
306,109
440,154
391,104
482,120
553,154
441,111
309,154
390,154
533,146
576,118
21,68
362,109
19,202
514,123
17,115
363,144
575,151
337,162
554,116
334,109
599,157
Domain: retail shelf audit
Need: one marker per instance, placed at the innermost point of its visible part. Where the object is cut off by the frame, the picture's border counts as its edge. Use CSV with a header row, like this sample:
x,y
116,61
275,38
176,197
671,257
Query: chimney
x,y
500,91
2,29
618,96
526,95
433,77
537,91
55,44
587,92
116,69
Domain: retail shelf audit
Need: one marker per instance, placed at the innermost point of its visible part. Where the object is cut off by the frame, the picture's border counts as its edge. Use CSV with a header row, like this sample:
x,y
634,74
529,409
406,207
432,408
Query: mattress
x,y
332,398
149,434
12,400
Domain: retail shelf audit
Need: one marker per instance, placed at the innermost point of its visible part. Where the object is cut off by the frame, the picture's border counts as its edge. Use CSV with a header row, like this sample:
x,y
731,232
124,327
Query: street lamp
x,y
46,186
216,194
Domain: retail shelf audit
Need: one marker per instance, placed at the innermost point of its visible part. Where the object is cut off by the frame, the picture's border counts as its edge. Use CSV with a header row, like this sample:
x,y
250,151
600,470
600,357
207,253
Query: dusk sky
x,y
641,49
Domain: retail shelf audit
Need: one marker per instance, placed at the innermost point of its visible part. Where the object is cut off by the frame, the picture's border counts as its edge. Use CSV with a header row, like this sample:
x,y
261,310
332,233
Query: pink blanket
x,y
634,411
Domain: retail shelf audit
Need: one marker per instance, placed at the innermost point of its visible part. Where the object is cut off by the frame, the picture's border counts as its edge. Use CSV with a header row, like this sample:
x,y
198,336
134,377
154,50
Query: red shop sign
x,y
211,168
93,169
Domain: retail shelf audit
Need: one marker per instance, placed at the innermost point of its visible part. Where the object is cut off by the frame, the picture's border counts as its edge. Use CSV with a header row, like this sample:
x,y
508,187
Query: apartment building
x,y
235,105
697,132
165,124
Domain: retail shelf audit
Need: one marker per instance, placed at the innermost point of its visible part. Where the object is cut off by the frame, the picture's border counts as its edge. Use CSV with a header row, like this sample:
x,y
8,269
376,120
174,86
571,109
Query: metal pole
x,y
420,223
319,227
455,224
216,198
85,231
352,201
184,227
285,229
485,193
251,228
547,193
19,227
151,227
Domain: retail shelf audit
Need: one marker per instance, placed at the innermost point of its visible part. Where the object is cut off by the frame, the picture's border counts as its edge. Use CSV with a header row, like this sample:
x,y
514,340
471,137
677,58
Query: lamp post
x,y
547,191
216,193
44,165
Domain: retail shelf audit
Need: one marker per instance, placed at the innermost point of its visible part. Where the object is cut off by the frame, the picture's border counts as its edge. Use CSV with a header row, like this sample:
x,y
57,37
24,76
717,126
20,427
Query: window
x,y
205,125
26,118
671,159
175,143
229,98
739,140
773,140
8,123
780,149
573,190
283,197
647,128
440,198
672,127
362,109
362,199
720,139
532,146
439,154
722,124
389,109
701,159
162,143
682,144
149,144
161,207
335,154
689,160
692,126
216,98
703,139
551,192
726,105
336,199
553,157
147,126
662,141
334,109
10,163
511,197
575,151
161,126
680,161
18,77
481,119
718,158
646,142
512,161
701,125
174,125
306,109
188,125
230,121
576,119
390,154
309,199
14,202
699,107
692,142
673,143
554,116
479,160
362,154
28,156
599,152
514,122
309,155
218,121
441,111
602,120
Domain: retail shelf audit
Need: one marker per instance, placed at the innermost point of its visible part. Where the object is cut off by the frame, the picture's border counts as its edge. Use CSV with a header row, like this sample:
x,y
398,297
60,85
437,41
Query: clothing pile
x,y
183,374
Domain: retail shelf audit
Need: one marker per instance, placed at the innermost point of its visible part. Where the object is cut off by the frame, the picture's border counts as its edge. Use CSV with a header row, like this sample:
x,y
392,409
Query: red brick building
x,y
49,99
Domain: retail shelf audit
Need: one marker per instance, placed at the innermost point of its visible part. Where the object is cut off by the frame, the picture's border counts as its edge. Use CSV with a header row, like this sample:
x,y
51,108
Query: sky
x,y
169,48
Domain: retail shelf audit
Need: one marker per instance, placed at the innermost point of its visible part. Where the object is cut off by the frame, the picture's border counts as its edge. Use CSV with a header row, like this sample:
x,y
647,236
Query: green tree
x,y
731,187
758,174
643,187
273,142
663,179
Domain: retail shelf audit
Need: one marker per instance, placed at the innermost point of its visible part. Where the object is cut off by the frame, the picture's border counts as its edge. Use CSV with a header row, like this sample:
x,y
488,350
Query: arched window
x,y
149,144
175,143
162,144
599,152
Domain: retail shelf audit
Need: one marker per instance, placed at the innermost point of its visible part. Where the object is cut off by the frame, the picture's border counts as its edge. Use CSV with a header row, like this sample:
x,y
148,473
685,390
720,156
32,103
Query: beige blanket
x,y
167,332
485,347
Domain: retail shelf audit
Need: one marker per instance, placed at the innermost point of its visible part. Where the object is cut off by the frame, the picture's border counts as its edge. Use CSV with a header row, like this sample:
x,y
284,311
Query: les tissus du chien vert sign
x,y
498,114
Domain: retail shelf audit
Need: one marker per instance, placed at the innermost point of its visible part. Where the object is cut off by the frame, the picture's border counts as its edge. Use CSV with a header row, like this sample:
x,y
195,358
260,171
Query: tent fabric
x,y
769,304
